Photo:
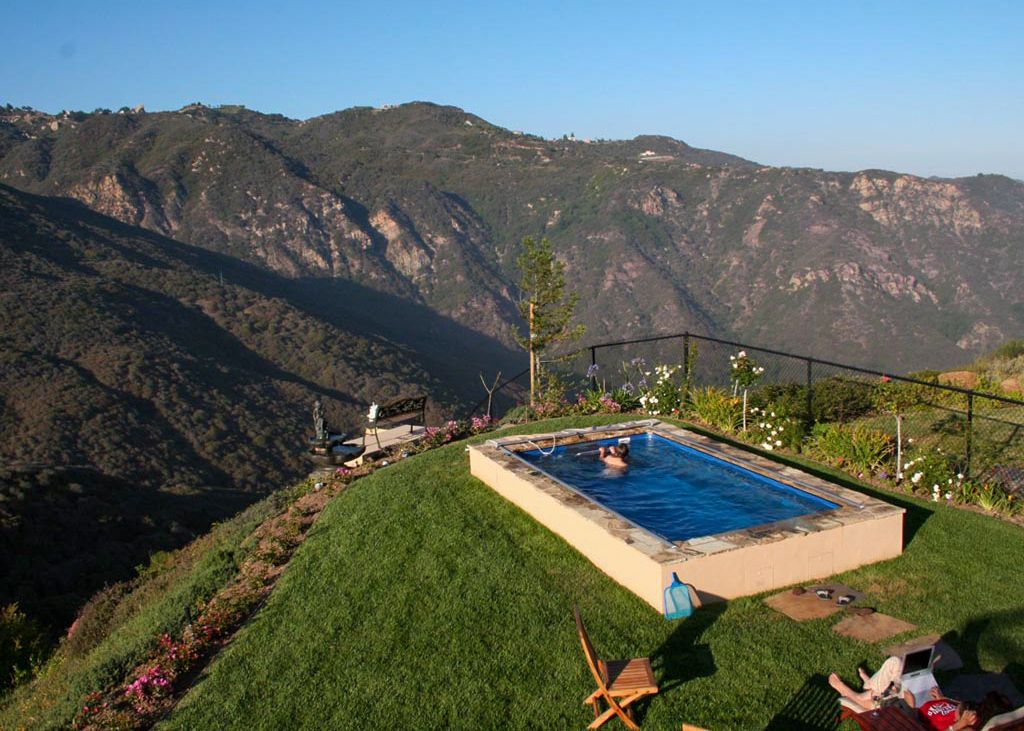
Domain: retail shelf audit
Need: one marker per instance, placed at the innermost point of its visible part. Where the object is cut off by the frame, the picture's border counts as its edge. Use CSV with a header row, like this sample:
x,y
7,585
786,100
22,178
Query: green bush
x,y
95,619
716,408
770,428
930,472
1008,351
22,645
855,447
834,399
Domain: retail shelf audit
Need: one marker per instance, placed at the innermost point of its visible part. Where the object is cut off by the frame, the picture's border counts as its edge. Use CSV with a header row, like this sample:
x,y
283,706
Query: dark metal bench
x,y
396,411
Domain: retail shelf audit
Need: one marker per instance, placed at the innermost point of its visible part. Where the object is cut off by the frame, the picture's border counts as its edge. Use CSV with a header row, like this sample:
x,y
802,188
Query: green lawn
x,y
423,600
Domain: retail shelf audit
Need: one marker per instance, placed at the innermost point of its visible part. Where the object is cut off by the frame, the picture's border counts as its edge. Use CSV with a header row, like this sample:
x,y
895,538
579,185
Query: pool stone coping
x,y
855,507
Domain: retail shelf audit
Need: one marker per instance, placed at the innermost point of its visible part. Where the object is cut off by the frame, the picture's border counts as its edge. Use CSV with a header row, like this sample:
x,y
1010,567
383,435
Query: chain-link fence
x,y
982,433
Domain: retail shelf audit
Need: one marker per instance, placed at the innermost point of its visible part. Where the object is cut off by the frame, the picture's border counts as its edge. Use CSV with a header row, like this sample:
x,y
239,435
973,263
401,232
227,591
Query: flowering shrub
x,y
664,396
153,683
929,472
97,713
177,656
744,374
480,424
991,497
771,429
435,436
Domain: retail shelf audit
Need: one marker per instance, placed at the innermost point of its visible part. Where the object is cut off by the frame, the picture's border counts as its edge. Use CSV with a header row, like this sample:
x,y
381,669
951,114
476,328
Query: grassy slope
x,y
155,606
423,599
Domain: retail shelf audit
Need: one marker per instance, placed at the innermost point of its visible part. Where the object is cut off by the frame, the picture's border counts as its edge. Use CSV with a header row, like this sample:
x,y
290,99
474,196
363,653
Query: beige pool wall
x,y
862,531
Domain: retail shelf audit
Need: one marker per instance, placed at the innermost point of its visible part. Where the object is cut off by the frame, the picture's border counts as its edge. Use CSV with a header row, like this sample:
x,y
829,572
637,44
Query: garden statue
x,y
318,421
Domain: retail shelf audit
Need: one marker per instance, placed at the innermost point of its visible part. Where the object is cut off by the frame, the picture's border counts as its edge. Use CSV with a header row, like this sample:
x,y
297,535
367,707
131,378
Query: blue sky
x,y
932,88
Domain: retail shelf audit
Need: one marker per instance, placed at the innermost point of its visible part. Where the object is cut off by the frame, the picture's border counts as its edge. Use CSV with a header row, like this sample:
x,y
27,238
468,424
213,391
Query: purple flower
x,y
592,370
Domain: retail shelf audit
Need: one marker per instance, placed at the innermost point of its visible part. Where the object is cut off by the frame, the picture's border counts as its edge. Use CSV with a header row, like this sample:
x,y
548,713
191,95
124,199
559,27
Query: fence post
x,y
810,396
686,357
970,431
593,362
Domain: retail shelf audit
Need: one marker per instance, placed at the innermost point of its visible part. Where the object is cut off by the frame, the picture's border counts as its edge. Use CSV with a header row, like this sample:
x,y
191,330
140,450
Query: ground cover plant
x,y
116,630
422,599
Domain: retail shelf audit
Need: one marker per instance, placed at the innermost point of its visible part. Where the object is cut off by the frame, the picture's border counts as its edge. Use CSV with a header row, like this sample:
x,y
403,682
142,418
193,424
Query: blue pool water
x,y
675,491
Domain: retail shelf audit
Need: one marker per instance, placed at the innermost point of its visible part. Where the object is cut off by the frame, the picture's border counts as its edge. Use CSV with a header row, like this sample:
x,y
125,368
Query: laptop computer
x,y
916,675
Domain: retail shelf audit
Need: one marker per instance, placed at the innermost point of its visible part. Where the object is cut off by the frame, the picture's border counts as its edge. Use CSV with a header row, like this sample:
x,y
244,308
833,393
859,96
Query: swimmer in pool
x,y
615,456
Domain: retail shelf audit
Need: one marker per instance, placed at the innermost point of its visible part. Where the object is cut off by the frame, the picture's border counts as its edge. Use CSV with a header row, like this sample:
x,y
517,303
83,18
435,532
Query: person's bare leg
x,y
888,674
862,698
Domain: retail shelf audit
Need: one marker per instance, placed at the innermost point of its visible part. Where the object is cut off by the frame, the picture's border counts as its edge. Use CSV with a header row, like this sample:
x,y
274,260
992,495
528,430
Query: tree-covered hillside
x,y
150,365
428,204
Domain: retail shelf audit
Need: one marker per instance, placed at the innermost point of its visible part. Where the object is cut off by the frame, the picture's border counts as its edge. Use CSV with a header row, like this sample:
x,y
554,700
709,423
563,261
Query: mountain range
x,y
428,204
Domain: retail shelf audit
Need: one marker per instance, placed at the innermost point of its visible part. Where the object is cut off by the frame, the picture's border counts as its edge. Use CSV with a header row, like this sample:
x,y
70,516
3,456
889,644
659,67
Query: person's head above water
x,y
614,455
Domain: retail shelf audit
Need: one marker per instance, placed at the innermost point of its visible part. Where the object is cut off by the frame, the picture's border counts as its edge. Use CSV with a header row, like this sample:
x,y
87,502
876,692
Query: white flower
x,y
743,354
959,475
899,475
778,442
654,399
910,440
768,446
916,478
949,496
773,414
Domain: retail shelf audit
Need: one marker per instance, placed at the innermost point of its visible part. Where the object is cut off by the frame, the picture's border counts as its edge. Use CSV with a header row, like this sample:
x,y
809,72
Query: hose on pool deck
x,y
554,443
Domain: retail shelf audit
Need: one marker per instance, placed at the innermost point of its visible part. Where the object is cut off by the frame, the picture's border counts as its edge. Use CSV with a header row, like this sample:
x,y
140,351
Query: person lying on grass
x,y
939,713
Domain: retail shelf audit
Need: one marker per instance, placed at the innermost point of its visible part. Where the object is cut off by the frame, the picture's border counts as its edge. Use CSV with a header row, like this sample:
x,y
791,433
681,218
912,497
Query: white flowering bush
x,y
770,428
744,373
659,392
932,473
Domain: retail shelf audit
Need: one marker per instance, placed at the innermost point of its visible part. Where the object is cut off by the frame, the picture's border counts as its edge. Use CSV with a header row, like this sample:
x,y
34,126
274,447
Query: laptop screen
x,y
915,662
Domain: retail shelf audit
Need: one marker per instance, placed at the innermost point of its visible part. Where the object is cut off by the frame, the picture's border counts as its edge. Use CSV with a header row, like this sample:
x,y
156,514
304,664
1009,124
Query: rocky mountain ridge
x,y
428,204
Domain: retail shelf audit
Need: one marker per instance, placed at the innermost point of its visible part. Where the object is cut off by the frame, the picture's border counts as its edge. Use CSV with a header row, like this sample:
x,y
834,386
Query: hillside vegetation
x,y
428,204
149,387
119,625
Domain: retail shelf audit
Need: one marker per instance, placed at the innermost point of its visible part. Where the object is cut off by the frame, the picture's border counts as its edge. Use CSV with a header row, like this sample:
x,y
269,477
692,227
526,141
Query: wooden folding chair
x,y
619,682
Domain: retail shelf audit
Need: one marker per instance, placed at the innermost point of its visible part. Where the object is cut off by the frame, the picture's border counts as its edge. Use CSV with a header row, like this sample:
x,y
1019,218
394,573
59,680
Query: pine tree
x,y
543,304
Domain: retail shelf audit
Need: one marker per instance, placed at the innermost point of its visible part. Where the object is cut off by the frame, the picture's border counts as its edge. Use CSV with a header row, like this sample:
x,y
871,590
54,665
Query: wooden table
x,y
889,718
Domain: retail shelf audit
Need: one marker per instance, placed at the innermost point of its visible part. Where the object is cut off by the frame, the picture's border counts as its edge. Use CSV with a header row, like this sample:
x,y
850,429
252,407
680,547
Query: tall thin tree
x,y
544,304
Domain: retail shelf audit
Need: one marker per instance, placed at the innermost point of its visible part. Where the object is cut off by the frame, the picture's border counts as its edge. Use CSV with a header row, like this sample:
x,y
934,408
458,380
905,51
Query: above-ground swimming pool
x,y
673,490
727,521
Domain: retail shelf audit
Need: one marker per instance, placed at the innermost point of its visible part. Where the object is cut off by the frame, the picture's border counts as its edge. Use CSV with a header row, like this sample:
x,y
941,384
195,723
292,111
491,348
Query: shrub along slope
x,y
423,599
118,627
